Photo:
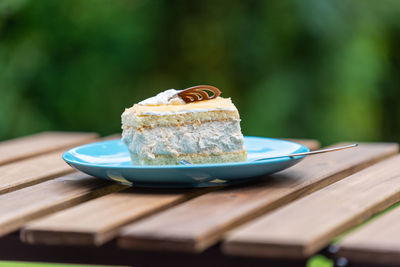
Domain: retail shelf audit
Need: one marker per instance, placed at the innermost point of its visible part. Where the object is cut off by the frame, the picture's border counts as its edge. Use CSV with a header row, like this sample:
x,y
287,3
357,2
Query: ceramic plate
x,y
110,160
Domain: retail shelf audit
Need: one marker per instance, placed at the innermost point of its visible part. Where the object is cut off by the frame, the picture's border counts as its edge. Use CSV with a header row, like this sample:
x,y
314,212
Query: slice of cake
x,y
194,124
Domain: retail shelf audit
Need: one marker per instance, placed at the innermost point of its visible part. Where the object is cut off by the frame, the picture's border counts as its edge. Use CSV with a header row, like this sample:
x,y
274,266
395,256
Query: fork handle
x,y
320,151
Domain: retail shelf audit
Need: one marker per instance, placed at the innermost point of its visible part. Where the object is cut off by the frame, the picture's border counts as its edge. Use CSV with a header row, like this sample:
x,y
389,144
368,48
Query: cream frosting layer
x,y
168,97
205,138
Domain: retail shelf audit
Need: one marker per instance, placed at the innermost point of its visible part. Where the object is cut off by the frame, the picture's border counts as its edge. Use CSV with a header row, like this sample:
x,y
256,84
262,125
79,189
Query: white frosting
x,y
168,97
206,138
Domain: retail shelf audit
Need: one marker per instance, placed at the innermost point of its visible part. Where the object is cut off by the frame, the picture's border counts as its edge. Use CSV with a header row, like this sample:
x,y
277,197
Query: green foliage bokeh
x,y
298,68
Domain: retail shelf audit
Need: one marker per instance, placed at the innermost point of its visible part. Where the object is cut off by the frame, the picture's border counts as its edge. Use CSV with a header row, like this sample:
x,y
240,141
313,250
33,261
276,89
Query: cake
x,y
195,124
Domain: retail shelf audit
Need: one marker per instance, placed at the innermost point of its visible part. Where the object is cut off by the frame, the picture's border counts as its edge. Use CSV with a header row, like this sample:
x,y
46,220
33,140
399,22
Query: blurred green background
x,y
297,68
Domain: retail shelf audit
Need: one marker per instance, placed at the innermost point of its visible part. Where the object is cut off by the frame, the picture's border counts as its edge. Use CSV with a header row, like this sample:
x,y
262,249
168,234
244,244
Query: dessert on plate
x,y
194,124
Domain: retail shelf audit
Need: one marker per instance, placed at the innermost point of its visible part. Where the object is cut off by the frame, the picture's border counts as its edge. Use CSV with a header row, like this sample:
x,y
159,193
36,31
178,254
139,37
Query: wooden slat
x,y
377,242
305,226
81,226
111,137
24,205
310,143
199,223
31,171
113,211
27,172
28,146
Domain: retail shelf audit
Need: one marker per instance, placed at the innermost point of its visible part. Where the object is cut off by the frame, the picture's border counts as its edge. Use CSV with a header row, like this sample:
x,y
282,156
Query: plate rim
x,y
302,148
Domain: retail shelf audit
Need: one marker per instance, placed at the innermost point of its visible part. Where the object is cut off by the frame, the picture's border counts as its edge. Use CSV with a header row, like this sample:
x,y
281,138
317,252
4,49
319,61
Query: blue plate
x,y
110,160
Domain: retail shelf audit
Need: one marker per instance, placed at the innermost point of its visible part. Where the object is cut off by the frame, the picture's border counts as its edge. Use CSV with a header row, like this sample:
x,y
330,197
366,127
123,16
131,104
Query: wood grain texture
x,y
34,170
197,224
305,226
377,242
31,171
81,226
37,144
24,205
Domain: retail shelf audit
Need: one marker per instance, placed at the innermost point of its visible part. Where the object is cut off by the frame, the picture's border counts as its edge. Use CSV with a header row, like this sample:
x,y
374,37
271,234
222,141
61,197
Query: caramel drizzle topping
x,y
199,93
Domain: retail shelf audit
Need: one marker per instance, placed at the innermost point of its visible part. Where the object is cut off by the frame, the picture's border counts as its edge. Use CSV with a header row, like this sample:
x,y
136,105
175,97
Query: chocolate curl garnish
x,y
199,93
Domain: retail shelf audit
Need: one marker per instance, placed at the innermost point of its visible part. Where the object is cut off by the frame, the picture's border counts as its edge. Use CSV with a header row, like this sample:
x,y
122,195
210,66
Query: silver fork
x,y
320,151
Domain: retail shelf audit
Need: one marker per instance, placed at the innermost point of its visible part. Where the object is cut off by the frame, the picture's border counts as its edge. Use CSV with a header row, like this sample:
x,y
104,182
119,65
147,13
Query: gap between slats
x,y
43,167
41,143
306,225
21,206
378,241
197,224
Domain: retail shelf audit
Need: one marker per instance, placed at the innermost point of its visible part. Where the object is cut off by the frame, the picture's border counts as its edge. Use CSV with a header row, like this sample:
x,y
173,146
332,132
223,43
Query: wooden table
x,y
50,212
